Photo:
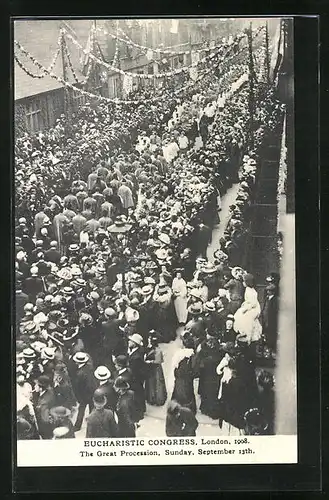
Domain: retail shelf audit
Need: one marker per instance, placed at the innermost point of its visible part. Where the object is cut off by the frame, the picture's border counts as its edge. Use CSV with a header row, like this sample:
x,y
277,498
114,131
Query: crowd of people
x,y
113,222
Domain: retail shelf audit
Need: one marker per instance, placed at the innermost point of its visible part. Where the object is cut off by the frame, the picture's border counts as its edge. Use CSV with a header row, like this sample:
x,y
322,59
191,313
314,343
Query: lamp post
x,y
120,229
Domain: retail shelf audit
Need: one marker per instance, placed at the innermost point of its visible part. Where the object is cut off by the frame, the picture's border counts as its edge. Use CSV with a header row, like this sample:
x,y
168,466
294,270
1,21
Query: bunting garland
x,y
138,75
166,50
52,64
203,73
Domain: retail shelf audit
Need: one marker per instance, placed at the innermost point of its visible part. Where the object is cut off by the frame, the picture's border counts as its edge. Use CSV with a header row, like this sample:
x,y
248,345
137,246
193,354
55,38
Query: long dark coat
x,y
101,424
84,384
209,359
270,321
125,411
183,391
42,406
138,370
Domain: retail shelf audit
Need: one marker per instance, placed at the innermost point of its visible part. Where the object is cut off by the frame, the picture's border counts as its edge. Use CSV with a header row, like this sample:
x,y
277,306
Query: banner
x,y
174,26
127,84
195,57
193,73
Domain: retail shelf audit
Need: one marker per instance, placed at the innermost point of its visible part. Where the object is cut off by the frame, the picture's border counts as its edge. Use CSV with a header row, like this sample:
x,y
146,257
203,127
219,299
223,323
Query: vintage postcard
x,y
154,250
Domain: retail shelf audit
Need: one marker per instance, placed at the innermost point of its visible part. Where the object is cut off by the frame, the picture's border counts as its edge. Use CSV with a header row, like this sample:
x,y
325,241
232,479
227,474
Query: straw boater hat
x,y
147,290
131,315
109,312
164,238
209,268
29,353
210,306
80,357
60,432
48,353
102,373
137,339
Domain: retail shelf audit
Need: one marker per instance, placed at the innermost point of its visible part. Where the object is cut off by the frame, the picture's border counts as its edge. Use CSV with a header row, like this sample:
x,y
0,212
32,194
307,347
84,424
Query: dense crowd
x,y
113,222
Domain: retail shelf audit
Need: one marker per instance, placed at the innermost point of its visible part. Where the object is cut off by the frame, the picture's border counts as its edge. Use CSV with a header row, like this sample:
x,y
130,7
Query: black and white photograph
x,y
154,240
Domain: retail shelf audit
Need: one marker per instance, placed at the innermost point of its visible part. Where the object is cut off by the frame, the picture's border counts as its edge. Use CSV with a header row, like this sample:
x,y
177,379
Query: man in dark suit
x,y
44,401
33,285
125,408
113,341
84,385
270,316
53,255
137,366
105,386
204,235
101,422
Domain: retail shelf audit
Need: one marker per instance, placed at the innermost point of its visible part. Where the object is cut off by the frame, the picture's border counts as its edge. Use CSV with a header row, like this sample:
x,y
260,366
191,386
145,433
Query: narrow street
x,y
153,423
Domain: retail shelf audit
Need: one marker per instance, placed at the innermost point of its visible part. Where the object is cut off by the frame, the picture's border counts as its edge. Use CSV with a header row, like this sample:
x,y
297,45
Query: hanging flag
x,y
149,54
195,56
174,26
127,84
88,48
193,73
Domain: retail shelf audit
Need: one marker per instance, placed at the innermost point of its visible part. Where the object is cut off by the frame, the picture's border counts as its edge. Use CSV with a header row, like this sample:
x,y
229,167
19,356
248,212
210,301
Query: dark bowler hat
x,y
121,383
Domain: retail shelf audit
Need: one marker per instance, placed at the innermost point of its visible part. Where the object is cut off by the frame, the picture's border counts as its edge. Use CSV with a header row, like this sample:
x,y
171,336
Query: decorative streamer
x,y
224,58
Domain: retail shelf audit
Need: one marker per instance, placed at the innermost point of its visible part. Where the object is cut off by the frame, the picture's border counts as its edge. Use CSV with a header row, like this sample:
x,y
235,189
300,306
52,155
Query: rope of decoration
x,y
137,75
94,96
116,52
160,50
81,91
50,67
68,56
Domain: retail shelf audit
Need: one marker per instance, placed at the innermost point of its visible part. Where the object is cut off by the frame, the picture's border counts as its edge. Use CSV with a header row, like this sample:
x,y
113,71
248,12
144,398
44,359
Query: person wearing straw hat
x,y
84,385
102,422
60,416
105,385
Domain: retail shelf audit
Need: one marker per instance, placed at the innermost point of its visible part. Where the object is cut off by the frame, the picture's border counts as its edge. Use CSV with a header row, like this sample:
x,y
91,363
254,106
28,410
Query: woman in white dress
x,y
179,289
246,318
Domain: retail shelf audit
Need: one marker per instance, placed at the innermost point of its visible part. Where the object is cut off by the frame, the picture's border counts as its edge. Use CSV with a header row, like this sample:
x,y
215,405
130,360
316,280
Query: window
x,y
34,116
79,99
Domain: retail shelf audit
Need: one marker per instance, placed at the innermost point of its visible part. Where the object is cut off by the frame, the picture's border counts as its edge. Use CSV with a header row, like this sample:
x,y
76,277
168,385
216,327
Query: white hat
x,y
60,432
48,352
102,373
138,339
20,255
164,238
80,357
131,315
34,270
